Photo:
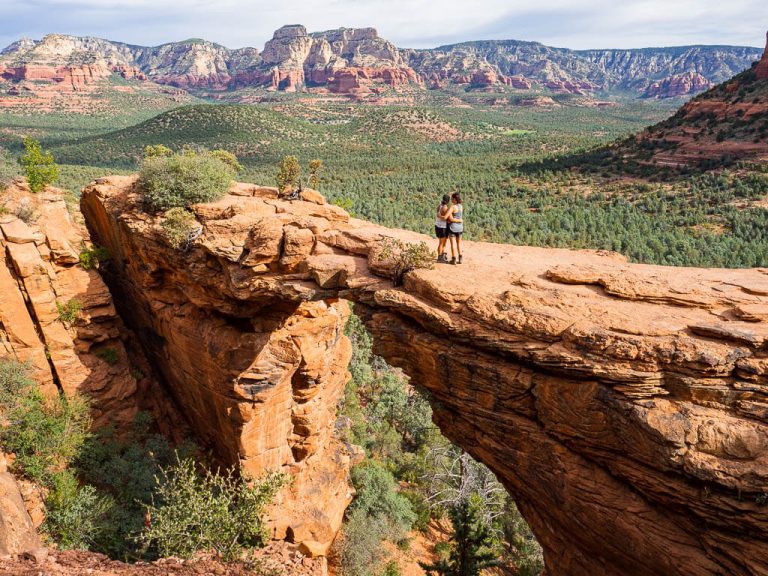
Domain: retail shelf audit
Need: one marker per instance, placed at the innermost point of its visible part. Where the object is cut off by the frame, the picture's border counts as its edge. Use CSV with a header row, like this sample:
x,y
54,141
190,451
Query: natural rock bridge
x,y
623,406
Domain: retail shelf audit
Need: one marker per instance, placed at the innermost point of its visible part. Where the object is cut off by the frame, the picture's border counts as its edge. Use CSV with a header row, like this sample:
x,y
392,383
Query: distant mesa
x,y
357,62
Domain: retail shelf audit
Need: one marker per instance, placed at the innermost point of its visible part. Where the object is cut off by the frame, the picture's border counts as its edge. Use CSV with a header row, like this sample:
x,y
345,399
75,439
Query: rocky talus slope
x,y
624,406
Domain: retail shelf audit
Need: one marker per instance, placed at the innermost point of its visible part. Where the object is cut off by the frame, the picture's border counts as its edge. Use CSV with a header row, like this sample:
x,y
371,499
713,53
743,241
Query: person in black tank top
x,y
456,226
441,227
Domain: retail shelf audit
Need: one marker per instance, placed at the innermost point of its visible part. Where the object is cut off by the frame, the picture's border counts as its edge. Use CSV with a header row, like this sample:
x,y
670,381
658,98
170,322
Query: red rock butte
x,y
762,67
622,405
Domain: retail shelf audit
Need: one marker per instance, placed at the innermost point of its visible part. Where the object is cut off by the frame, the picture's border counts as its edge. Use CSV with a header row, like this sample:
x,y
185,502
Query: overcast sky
x,y
408,23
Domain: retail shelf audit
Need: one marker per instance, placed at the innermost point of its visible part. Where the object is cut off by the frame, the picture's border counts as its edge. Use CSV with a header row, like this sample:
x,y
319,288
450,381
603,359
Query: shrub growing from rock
x,y
39,165
213,511
179,226
180,180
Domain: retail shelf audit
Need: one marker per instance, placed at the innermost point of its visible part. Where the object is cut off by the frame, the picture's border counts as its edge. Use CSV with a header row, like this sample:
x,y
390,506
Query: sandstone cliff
x,y
40,276
624,406
761,71
358,61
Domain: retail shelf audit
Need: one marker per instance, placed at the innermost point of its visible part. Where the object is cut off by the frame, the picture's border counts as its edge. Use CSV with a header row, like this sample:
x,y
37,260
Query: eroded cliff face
x,y
40,277
623,406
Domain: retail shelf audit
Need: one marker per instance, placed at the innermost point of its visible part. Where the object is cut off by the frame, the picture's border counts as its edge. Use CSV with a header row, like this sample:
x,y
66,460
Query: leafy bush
x,y
69,312
75,514
526,553
402,257
210,511
157,151
39,165
45,434
378,497
228,158
90,257
179,226
110,355
180,180
360,547
125,469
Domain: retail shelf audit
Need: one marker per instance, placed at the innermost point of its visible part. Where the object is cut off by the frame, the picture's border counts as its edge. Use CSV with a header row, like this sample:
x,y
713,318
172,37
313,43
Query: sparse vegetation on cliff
x,y
218,511
392,421
183,179
179,225
39,165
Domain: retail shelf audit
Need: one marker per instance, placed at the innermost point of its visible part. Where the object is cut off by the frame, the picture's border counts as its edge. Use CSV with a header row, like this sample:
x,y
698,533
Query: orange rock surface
x,y
39,273
624,406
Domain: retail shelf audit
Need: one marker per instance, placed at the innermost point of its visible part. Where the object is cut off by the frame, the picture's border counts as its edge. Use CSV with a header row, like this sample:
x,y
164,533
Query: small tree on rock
x,y
289,175
39,165
314,176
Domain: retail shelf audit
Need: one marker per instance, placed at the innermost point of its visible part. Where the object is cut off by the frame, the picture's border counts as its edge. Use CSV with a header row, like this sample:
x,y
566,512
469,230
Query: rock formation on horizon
x,y
357,61
622,405
728,122
761,71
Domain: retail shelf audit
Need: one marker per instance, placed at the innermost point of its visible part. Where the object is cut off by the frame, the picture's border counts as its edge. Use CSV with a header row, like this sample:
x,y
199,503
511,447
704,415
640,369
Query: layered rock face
x,y
624,406
40,279
762,67
295,60
678,85
259,379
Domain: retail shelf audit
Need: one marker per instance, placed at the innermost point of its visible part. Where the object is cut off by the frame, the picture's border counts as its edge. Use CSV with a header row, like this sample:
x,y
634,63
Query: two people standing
x,y
449,225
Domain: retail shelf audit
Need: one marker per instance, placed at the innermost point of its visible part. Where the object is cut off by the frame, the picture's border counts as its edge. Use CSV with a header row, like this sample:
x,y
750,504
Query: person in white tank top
x,y
455,219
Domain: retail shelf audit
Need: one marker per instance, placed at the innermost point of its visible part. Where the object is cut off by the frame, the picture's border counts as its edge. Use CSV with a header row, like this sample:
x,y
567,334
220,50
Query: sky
x,y
408,23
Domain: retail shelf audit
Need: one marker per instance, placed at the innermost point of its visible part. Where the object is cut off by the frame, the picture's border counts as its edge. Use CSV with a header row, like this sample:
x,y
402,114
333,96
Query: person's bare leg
x,y
453,251
458,247
441,247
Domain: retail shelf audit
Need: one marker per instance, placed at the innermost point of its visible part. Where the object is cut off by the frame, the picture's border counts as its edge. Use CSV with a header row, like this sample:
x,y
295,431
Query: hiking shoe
x,y
459,261
453,260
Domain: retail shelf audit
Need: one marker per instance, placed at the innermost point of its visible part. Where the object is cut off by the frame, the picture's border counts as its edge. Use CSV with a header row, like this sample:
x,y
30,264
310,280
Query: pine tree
x,y
472,549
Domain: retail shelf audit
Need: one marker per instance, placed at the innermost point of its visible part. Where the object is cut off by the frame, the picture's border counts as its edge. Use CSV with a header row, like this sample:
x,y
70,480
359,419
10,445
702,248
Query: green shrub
x,y
526,553
157,151
74,514
45,434
360,548
210,511
378,497
39,165
110,355
179,226
69,312
289,174
90,257
180,180
125,468
228,158
405,257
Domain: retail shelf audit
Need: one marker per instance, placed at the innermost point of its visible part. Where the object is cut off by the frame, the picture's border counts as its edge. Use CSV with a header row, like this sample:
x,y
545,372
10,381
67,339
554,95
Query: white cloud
x,y
417,23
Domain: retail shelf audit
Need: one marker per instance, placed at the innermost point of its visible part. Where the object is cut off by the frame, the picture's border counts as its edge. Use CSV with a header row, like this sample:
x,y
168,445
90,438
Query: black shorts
x,y
441,232
454,234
